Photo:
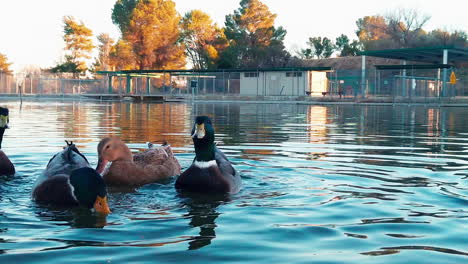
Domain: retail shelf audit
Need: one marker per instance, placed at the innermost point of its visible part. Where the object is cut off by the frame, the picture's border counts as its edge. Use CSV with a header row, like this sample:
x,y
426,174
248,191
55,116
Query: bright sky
x,y
31,30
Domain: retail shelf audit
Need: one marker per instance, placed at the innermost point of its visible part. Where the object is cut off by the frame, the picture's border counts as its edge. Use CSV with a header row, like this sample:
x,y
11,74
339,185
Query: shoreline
x,y
300,100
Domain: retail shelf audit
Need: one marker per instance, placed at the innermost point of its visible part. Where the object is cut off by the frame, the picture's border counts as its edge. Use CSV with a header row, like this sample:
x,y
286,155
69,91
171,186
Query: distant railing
x,y
393,84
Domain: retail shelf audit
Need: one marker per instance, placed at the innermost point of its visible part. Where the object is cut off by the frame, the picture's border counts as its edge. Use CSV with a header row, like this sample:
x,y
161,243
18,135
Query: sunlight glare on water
x,y
321,184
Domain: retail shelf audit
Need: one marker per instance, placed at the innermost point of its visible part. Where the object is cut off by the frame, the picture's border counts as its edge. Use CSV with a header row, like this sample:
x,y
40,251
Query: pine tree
x,y
152,30
203,39
78,46
254,41
103,61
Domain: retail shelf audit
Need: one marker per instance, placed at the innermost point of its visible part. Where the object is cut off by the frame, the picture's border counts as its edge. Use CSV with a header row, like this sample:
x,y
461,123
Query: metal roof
x,y
413,67
150,72
423,54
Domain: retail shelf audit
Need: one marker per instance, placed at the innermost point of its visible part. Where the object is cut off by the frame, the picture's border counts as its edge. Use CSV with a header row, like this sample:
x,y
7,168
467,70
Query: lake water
x,y
321,184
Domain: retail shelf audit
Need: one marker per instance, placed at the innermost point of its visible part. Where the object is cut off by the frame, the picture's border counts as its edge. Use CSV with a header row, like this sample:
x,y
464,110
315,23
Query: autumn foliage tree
x,y
4,64
103,61
78,46
203,39
122,56
403,28
151,28
254,41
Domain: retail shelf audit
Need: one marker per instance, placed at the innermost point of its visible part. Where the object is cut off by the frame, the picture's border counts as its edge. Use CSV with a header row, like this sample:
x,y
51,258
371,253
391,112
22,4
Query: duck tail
x,y
71,147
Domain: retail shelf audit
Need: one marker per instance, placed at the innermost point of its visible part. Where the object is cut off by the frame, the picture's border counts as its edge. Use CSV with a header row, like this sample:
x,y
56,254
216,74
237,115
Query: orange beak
x,y
101,205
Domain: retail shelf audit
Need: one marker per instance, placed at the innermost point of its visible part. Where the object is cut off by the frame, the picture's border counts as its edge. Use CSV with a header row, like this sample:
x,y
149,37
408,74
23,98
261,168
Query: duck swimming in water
x,y
6,167
68,180
210,171
154,164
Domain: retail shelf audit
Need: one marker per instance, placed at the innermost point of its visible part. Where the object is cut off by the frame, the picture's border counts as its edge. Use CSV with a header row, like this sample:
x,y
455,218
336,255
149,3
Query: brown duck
x,y
6,167
154,164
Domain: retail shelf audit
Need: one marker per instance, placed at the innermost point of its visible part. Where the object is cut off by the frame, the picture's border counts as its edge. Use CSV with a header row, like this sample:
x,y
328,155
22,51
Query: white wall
x,y
248,85
274,83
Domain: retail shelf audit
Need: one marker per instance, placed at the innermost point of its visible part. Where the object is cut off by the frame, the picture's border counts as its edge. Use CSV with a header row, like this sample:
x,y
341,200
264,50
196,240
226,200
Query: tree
x,y
402,28
372,29
78,46
345,48
122,12
152,30
253,39
440,37
122,56
103,61
405,26
4,64
203,39
321,48
305,54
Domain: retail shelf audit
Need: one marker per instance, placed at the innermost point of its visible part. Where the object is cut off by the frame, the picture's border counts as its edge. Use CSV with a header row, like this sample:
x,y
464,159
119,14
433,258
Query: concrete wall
x,y
274,83
249,83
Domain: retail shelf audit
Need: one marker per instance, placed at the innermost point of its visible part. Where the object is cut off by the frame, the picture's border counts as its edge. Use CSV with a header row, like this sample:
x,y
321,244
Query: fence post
x,y
444,74
109,85
148,85
129,84
363,76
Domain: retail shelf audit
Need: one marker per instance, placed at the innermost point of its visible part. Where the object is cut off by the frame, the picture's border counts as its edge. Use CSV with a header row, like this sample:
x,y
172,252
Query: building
x,y
284,82
299,81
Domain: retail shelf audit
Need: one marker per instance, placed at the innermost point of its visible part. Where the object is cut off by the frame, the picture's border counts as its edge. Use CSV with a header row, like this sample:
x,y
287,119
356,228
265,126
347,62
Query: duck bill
x,y
101,205
101,165
199,131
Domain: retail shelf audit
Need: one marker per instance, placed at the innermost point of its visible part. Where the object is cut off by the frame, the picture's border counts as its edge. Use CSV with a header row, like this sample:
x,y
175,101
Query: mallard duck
x,y
210,171
6,167
68,180
154,164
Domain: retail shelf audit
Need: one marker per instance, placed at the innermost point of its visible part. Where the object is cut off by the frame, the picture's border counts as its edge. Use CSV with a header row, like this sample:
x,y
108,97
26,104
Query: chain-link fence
x,y
7,83
176,84
398,84
390,83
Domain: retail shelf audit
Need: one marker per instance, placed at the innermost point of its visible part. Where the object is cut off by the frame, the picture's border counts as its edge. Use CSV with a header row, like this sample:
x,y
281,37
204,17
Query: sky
x,y
31,30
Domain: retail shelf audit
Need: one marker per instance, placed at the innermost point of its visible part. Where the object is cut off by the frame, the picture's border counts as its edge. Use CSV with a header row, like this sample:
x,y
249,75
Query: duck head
x,y
112,149
89,189
203,136
3,122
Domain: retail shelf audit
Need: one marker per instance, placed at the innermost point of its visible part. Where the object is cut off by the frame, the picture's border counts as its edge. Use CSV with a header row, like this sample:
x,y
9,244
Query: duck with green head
x,y
6,167
210,171
68,180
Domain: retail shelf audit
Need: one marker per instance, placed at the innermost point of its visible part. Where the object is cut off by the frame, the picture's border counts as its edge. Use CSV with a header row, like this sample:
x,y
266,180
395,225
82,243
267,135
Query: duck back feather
x,y
53,186
219,178
6,167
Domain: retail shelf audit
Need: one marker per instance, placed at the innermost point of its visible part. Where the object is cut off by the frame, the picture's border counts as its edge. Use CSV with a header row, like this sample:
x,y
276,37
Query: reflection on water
x,y
202,214
74,217
338,183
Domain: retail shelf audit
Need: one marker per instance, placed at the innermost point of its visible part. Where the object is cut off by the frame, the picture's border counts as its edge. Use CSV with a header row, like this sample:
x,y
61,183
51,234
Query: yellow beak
x,y
101,205
199,131
3,121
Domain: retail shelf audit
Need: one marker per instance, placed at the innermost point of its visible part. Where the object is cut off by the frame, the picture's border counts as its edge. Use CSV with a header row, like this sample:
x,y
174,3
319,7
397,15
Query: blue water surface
x,y
321,184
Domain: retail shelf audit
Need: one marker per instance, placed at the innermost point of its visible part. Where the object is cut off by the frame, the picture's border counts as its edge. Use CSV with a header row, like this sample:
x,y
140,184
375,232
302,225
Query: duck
x,y
128,170
6,167
69,180
210,171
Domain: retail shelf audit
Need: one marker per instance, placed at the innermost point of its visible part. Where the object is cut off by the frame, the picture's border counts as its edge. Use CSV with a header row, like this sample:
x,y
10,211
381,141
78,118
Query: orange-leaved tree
x,y
151,28
203,39
4,64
